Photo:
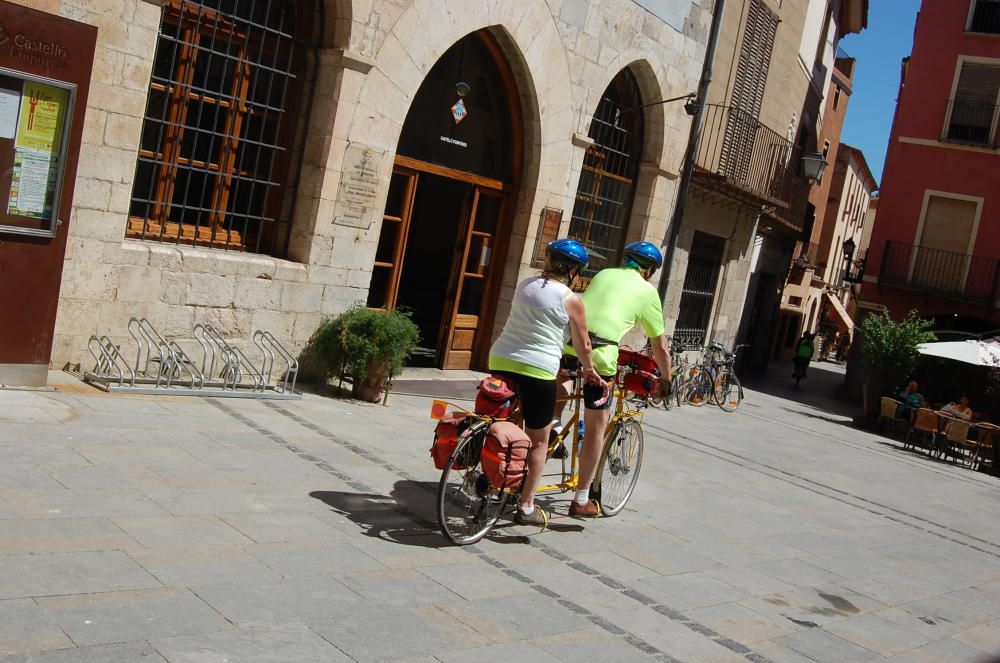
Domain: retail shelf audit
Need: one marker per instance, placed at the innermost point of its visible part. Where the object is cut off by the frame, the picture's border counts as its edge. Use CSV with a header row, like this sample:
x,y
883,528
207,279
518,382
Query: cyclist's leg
x,y
537,403
595,422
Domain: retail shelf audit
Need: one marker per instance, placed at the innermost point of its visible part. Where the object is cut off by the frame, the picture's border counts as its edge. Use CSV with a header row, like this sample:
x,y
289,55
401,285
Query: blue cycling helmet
x,y
567,255
644,255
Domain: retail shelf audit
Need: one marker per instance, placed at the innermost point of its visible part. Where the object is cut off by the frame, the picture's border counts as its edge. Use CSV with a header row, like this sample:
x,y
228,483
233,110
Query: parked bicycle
x,y
469,505
715,380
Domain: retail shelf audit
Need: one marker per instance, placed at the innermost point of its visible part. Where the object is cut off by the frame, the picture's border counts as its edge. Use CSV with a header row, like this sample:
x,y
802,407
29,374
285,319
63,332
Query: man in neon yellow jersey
x,y
616,299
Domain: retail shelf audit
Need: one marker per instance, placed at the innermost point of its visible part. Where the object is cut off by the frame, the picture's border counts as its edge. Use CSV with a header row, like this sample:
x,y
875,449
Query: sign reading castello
x,y
31,49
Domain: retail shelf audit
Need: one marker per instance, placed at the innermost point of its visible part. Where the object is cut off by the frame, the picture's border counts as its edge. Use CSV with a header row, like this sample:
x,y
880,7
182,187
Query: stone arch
x,y
338,17
533,48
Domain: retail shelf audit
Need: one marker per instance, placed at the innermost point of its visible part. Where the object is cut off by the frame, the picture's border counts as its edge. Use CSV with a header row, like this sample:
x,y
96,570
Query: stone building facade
x,y
366,77
748,205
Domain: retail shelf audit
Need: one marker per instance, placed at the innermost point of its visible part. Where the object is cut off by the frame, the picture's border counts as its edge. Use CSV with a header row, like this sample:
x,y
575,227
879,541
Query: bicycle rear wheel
x,y
619,468
468,507
728,392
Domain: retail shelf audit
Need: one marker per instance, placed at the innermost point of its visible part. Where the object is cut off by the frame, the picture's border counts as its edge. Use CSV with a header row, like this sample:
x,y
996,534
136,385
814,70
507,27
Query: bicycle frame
x,y
569,436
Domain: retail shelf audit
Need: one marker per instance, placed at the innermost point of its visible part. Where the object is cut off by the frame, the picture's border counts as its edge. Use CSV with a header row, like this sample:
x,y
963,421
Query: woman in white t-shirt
x,y
528,350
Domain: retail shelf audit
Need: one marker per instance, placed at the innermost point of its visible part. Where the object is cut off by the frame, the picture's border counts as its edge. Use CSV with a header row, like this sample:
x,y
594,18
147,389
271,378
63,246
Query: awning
x,y
841,312
979,353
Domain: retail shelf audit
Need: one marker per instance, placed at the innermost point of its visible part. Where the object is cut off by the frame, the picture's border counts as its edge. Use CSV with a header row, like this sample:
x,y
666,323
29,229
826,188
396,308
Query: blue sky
x,y
878,50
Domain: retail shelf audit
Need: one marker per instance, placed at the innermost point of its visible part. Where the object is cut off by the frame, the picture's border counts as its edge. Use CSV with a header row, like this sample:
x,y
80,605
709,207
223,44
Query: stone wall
x,y
563,53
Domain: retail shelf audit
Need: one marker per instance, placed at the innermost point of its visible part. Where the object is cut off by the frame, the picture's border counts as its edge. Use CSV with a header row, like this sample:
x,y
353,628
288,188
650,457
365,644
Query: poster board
x,y
35,118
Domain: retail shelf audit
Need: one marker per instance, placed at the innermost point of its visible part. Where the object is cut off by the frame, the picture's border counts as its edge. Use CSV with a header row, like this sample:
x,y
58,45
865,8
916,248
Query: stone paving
x,y
192,530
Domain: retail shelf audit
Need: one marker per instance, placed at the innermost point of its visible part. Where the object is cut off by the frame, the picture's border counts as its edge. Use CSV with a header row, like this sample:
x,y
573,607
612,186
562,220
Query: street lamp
x,y
849,247
813,165
853,269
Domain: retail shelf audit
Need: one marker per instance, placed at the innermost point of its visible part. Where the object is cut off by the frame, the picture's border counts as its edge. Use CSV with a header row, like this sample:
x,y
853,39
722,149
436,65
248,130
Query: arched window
x,y
225,123
607,182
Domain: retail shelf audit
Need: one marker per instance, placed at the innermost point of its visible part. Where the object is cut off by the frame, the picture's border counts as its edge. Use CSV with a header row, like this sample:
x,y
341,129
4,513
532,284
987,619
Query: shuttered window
x,y
748,88
975,107
941,260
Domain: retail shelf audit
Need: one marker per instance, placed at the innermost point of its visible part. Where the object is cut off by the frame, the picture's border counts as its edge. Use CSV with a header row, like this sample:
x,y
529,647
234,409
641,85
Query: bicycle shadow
x,y
408,516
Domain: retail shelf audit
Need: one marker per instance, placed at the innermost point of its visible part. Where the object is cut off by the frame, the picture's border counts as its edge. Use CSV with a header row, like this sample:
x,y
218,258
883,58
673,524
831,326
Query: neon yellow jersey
x,y
616,300
519,367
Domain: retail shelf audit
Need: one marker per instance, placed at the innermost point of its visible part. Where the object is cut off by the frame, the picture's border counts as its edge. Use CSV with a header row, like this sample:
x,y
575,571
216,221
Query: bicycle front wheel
x,y
468,506
728,392
619,467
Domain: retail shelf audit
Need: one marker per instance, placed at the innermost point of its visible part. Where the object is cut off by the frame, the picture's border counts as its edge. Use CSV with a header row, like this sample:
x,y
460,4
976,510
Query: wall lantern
x,y
813,165
854,270
849,247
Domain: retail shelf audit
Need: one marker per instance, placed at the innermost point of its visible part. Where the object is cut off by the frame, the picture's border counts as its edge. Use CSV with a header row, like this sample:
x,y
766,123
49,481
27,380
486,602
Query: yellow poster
x,y
40,121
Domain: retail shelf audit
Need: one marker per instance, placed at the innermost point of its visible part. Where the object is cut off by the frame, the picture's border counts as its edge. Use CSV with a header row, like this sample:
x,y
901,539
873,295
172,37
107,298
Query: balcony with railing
x,y
972,122
742,159
957,275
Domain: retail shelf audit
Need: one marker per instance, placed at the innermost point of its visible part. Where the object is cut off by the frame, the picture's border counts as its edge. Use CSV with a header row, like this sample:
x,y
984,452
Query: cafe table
x,y
987,433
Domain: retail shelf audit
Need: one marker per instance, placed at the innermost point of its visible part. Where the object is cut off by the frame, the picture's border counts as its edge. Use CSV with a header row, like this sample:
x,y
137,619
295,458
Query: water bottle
x,y
579,438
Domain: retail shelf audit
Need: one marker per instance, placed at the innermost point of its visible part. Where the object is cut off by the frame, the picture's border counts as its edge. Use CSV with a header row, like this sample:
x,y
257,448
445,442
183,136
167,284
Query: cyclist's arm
x,y
662,355
581,339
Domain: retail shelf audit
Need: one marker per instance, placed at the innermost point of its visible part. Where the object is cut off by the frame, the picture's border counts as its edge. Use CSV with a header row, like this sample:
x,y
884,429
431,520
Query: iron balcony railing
x,y
970,277
973,122
740,156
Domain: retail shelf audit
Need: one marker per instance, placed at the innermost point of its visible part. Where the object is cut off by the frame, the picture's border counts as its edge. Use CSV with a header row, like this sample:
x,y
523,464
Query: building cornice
x,y
948,146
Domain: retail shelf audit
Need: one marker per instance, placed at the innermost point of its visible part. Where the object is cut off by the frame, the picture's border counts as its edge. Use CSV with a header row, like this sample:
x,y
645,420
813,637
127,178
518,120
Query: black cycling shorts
x,y
537,396
591,392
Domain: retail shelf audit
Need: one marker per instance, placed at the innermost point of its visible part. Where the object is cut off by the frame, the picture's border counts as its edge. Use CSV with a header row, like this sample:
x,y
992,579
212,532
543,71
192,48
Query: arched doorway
x,y
606,190
447,218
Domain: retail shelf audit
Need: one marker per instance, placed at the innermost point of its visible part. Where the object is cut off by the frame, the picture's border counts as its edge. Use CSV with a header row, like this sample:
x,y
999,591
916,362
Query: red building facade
x,y
936,244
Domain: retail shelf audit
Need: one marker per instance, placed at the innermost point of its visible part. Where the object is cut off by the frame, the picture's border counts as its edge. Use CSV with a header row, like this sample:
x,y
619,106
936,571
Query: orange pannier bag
x,y
446,435
504,457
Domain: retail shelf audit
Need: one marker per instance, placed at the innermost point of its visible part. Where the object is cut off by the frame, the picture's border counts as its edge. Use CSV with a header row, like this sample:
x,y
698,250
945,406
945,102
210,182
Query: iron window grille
x,y
225,123
700,283
607,181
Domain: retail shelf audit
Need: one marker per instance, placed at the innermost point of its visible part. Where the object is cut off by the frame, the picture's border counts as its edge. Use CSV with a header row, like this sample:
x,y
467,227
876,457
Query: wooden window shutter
x,y
940,261
948,224
748,88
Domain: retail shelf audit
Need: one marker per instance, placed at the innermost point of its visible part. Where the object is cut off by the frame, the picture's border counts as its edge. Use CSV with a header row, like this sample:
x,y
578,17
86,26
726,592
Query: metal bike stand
x,y
211,366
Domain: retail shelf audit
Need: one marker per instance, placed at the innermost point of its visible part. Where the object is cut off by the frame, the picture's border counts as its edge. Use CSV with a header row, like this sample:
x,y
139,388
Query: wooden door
x,y
474,274
388,266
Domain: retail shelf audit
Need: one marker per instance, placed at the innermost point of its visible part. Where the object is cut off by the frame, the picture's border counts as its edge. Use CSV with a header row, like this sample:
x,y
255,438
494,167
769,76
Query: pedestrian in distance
x,y
803,355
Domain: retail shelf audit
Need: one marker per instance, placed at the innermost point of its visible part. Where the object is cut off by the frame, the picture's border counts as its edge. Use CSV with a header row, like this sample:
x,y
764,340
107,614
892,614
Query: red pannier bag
x,y
496,397
640,374
504,457
446,434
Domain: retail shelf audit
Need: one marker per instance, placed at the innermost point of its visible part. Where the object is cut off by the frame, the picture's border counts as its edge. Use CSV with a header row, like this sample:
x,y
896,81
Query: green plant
x,y
360,339
890,347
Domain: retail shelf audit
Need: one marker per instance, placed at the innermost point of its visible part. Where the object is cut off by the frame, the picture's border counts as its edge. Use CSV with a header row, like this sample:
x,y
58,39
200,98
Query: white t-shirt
x,y
535,330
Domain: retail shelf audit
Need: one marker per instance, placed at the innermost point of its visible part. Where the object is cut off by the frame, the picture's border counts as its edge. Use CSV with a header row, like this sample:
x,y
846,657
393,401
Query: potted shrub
x,y
890,352
369,345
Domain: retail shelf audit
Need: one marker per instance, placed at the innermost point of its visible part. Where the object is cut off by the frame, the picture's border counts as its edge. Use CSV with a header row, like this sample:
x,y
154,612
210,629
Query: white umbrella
x,y
980,353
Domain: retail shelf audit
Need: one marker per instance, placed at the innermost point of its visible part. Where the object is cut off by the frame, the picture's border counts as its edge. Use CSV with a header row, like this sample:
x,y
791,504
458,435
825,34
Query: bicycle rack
x,y
210,367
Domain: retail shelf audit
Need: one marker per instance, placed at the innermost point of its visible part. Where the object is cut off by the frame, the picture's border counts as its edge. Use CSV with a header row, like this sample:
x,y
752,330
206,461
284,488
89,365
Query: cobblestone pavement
x,y
185,529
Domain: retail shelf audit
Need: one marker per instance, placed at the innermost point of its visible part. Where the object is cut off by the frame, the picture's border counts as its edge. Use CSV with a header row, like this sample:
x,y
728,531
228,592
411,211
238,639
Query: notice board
x,y
35,119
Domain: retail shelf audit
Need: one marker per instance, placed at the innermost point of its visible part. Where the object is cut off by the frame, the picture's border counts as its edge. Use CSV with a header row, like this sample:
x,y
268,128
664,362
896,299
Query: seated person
x,y
959,410
912,400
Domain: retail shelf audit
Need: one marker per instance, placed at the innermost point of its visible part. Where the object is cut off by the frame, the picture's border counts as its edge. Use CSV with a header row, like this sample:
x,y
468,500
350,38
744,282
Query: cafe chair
x,y
955,440
887,414
925,427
